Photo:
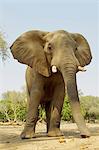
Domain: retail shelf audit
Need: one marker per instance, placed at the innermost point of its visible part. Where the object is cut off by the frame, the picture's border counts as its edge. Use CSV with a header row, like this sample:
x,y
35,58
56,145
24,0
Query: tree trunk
x,y
7,116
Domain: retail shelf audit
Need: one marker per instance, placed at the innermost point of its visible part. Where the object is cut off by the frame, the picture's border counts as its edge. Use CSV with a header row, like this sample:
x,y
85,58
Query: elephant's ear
x,y
82,51
28,49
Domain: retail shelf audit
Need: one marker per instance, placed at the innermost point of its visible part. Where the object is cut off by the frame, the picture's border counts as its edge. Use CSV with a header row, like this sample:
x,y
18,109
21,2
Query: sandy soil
x,y
10,139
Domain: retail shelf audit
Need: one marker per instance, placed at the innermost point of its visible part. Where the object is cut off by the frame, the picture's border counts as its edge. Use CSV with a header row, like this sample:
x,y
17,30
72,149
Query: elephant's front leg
x,y
48,113
56,108
32,115
75,106
79,119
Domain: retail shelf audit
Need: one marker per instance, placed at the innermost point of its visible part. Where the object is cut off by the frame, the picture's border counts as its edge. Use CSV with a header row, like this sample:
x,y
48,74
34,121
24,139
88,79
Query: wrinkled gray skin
x,y
40,51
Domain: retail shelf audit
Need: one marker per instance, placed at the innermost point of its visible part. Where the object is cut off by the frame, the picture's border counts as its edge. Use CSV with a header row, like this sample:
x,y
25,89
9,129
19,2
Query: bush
x,y
42,114
90,107
13,107
21,113
2,117
66,111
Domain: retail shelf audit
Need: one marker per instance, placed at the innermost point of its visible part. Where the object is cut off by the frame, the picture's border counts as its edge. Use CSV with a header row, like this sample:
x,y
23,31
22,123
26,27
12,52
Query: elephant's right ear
x,y
28,49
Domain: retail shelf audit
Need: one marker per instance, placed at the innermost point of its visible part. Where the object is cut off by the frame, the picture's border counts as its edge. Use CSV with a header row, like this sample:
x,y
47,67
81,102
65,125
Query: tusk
x,y
54,69
81,68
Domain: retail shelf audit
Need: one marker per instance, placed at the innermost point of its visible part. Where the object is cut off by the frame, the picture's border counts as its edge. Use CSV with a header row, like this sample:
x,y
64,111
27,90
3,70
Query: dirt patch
x,y
10,138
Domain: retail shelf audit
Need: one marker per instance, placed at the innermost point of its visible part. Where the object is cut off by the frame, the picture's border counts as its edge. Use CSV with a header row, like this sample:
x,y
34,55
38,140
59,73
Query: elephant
x,y
53,59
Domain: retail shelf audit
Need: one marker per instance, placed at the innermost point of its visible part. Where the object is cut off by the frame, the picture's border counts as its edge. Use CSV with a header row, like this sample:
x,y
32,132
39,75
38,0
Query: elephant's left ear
x,y
82,52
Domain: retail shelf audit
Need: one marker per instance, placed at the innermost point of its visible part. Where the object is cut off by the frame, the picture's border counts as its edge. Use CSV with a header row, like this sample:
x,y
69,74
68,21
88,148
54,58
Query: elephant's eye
x,y
76,49
49,46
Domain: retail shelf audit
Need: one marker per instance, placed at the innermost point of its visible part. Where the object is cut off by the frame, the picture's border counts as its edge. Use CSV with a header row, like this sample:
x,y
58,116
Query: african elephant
x,y
53,59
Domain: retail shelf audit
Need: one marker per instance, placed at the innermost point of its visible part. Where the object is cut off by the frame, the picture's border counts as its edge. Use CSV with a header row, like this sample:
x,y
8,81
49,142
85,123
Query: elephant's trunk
x,y
69,75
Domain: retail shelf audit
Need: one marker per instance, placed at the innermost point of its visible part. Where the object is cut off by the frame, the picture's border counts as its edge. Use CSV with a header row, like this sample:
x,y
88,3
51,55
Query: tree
x,y
66,111
17,104
3,47
4,109
90,107
13,106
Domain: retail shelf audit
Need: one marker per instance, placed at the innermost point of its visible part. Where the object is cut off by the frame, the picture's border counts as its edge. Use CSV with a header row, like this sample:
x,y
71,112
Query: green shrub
x,y
66,111
13,107
42,114
90,107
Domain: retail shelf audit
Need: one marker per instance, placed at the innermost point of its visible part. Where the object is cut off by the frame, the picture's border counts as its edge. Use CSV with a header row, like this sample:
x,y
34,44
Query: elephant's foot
x,y
85,134
55,132
28,133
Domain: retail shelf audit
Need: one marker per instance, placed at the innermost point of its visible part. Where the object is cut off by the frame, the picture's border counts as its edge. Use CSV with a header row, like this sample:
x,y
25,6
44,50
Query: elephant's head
x,y
67,48
63,50
69,53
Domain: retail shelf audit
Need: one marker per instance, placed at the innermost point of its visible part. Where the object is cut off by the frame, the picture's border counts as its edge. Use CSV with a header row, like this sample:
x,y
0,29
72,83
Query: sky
x,y
19,16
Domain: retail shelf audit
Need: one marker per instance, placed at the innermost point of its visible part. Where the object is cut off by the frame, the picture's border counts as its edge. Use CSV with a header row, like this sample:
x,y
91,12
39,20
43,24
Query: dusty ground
x,y
10,139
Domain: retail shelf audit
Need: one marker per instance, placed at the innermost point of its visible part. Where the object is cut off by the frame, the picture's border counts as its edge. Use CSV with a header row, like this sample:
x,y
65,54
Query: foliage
x,y
66,111
90,107
3,48
42,114
5,109
13,107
